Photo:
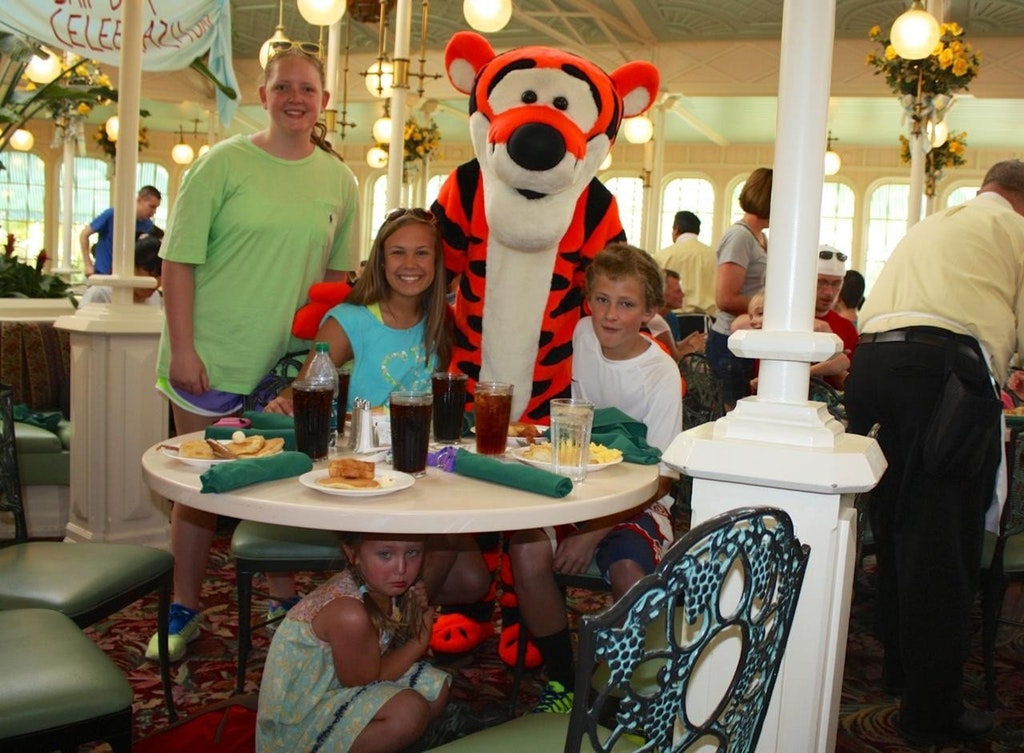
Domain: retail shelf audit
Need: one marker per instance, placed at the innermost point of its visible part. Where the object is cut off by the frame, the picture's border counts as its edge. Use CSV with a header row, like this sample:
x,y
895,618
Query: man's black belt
x,y
922,338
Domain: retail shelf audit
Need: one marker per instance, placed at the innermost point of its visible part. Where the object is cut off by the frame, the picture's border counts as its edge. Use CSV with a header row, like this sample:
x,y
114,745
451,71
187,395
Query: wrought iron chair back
x,y
735,577
10,477
821,391
279,377
703,399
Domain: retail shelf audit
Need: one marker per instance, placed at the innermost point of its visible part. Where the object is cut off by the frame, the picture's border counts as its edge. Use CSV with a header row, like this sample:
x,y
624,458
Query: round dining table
x,y
438,502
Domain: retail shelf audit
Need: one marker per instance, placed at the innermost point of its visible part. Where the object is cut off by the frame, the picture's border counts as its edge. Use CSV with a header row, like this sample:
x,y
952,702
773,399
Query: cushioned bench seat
x,y
43,457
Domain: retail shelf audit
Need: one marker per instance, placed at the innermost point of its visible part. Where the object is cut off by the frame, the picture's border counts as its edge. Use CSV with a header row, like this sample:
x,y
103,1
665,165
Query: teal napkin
x,y
269,420
49,420
615,429
267,425
515,475
224,477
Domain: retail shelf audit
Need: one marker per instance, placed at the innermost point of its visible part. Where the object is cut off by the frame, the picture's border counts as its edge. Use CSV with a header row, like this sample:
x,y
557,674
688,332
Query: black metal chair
x,y
821,391
703,399
1002,562
87,581
651,640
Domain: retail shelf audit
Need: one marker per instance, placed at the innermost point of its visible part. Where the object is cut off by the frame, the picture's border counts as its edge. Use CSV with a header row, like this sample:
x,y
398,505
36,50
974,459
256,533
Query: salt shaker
x,y
362,438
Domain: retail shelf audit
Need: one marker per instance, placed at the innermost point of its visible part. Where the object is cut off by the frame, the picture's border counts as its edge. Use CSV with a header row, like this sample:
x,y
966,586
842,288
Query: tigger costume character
x,y
522,221
520,224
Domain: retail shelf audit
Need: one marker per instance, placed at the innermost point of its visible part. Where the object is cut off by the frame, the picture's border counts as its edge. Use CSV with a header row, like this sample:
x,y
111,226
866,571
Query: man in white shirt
x,y
944,317
694,261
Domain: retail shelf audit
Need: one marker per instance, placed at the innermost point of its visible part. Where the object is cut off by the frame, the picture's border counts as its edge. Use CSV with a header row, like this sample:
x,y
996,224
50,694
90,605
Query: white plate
x,y
516,441
390,481
194,462
519,454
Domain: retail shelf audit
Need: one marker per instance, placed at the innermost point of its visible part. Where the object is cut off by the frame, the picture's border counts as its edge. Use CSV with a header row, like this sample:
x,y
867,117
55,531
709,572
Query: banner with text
x,y
175,32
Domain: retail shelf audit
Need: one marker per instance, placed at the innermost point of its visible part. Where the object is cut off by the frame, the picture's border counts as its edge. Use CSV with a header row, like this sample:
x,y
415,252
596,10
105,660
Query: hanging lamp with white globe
x,y
380,77
832,159
915,33
937,133
182,153
322,12
43,70
112,127
376,157
638,130
22,140
278,37
487,16
382,128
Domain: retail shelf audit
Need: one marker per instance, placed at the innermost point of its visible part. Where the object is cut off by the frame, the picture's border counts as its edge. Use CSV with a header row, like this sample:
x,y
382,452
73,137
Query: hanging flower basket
x,y
110,147
950,68
421,141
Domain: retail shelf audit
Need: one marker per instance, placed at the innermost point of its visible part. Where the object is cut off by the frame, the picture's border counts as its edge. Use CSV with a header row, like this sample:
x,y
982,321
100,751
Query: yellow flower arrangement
x,y
952,65
950,154
110,147
421,141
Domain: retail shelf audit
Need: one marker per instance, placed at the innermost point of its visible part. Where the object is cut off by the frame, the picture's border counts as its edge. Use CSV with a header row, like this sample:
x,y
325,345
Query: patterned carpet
x,y
867,721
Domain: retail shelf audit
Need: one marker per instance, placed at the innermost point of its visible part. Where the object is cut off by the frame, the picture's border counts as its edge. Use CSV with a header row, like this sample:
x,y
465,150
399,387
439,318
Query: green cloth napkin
x,y
615,429
267,425
224,477
516,475
49,420
269,420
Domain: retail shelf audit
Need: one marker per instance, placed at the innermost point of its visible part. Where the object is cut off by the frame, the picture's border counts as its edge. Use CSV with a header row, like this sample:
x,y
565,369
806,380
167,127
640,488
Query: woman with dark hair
x,y
742,255
851,296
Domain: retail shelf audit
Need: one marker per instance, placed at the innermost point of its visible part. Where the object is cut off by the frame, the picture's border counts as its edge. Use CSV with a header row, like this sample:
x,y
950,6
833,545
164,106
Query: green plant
x,y
21,280
67,99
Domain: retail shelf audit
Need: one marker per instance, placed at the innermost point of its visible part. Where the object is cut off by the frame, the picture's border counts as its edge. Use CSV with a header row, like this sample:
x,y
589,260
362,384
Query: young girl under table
x,y
345,670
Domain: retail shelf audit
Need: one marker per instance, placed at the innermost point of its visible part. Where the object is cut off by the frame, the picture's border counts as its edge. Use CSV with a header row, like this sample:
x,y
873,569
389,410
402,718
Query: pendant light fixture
x,y
915,33
278,37
22,140
182,153
322,12
487,16
832,159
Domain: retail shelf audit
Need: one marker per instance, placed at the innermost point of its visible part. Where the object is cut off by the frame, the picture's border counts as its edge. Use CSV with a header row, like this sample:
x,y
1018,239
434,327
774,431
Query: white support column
x,y
399,102
777,448
115,411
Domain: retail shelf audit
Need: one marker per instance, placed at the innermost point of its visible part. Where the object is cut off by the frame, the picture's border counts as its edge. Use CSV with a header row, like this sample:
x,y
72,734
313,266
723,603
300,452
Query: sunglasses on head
x,y
829,254
310,48
420,214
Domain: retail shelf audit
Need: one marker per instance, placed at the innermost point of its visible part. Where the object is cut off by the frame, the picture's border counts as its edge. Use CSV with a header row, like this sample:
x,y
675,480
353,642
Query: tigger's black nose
x,y
536,146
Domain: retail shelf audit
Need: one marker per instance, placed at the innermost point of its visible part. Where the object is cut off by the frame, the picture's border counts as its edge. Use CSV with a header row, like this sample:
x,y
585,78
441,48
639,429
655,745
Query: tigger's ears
x,y
467,52
637,83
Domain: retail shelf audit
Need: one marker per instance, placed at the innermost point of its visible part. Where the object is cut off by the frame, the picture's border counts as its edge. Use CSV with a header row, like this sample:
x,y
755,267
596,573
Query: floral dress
x,y
302,706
